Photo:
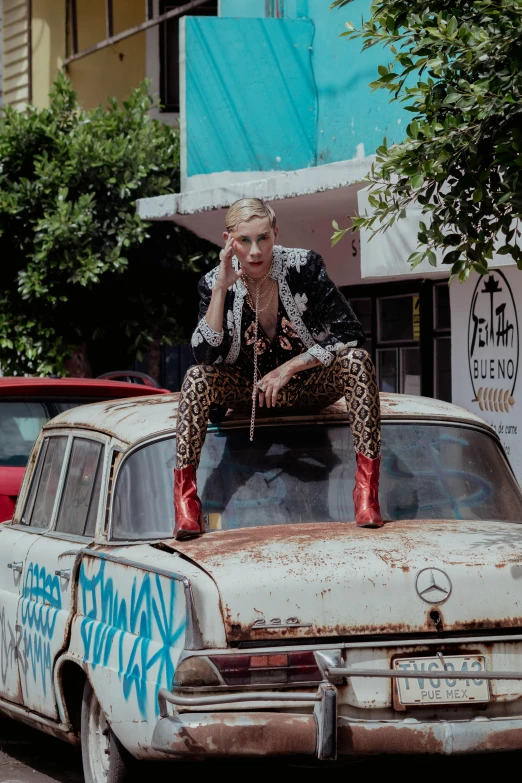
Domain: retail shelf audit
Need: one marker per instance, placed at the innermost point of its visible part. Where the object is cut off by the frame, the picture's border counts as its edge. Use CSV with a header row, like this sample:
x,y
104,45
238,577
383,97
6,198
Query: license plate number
x,y
431,683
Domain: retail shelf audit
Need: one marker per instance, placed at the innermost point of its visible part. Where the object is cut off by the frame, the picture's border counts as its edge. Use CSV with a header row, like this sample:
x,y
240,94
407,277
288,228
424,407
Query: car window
x,y
40,502
81,492
306,473
143,504
21,422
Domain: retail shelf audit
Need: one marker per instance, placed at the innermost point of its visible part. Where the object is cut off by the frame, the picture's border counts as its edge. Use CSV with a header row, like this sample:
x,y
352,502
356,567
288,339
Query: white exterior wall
x,y
485,371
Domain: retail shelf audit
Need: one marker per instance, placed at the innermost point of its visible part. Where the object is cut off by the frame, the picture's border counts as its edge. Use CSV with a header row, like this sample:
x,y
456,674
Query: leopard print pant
x,y
352,374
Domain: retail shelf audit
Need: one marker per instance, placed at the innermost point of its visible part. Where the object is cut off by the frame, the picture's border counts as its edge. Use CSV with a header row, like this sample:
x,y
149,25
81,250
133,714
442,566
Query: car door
x,y
15,542
47,598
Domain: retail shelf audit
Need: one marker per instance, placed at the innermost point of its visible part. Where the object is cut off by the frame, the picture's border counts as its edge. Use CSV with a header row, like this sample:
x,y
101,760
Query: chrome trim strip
x,y
432,642
165,696
410,675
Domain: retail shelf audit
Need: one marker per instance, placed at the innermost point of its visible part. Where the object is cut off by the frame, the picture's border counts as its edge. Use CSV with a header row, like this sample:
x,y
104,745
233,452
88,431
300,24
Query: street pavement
x,y
28,756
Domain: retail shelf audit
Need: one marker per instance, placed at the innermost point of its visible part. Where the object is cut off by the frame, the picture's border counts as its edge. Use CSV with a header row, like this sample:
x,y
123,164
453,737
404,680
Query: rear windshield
x,y
305,474
20,423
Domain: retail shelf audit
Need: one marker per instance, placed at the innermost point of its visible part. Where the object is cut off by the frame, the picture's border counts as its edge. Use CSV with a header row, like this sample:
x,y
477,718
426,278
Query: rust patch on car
x,y
486,623
247,734
248,541
366,741
509,739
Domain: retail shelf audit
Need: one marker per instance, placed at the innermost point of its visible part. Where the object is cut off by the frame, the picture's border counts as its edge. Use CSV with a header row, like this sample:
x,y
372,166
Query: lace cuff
x,y
325,357
205,332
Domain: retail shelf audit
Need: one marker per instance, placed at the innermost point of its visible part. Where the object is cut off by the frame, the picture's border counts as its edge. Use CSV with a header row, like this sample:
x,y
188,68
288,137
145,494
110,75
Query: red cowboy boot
x,y
187,505
366,492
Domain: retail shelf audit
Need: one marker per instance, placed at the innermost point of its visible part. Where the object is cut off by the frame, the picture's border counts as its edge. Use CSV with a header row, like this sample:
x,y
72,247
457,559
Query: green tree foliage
x,y
457,65
77,265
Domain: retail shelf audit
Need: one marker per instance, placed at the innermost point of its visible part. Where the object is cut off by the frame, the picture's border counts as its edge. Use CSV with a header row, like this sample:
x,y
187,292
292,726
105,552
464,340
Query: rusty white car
x,y
284,630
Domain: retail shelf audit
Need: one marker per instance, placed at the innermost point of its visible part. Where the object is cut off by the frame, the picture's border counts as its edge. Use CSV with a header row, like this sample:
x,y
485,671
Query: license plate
x,y
431,681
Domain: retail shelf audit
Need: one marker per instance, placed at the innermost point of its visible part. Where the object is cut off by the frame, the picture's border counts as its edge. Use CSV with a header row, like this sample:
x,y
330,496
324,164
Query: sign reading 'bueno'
x,y
493,344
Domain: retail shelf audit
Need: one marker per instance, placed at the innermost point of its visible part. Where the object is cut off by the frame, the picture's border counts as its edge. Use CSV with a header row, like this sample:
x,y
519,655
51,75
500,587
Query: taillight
x,y
239,670
268,668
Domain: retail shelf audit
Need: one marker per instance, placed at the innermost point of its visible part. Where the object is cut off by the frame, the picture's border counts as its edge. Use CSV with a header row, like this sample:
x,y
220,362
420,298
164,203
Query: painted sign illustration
x,y
485,353
493,343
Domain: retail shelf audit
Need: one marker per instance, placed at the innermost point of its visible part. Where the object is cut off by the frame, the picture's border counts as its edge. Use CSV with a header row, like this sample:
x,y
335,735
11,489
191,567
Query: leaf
x,y
337,237
465,136
417,181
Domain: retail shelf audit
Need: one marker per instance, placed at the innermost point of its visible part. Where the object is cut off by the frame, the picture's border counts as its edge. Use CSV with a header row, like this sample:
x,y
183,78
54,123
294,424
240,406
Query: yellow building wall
x,y
15,59
111,72
116,70
48,34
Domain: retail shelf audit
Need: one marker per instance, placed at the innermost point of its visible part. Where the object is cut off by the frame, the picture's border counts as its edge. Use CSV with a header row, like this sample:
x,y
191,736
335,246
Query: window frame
x,y
114,483
382,340
429,420
166,107
439,333
99,469
36,477
32,474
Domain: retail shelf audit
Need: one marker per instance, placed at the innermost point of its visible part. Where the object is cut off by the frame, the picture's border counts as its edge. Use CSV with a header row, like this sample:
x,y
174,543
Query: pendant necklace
x,y
256,331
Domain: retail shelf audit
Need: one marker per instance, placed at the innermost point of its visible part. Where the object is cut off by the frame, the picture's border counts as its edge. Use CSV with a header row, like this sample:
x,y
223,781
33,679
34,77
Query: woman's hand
x,y
227,275
275,380
270,386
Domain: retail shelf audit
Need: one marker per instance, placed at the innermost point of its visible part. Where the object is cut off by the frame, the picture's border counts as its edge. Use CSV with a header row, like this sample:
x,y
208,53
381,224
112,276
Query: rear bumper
x,y
323,734
283,734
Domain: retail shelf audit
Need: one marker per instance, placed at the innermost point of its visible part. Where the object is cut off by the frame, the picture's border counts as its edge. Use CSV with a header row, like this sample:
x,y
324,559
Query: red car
x,y
26,404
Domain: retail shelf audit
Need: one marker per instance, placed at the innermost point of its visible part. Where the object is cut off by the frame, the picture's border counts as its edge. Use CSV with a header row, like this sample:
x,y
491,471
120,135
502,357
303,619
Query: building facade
x,y
273,103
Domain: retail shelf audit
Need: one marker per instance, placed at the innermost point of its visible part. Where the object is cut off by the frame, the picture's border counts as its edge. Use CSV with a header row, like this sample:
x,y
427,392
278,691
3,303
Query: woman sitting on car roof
x,y
274,332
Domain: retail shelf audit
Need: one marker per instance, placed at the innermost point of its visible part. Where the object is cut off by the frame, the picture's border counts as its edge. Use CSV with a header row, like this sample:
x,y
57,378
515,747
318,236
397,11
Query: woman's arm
x,y
207,340
276,379
329,307
226,277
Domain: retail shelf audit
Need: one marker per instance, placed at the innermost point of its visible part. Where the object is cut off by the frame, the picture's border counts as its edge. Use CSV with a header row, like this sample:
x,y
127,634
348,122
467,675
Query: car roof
x,y
76,387
132,421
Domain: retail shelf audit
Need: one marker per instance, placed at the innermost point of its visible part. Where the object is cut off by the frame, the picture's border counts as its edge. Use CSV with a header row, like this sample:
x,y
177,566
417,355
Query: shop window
x,y
410,361
442,351
387,369
363,309
399,370
441,342
395,318
169,49
442,319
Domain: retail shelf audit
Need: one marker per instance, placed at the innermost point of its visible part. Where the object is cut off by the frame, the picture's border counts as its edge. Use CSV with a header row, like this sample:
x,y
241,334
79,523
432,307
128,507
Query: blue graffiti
x,y
147,617
41,603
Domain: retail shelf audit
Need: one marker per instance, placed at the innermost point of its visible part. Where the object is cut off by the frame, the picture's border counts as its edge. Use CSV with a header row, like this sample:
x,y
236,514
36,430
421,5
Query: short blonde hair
x,y
245,209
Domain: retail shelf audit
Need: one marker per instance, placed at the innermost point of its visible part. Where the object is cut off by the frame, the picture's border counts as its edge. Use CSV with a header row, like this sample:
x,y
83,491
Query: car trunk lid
x,y
333,579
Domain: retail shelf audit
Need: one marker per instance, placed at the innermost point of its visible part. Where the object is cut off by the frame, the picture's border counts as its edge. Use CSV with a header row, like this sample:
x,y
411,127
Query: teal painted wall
x,y
280,88
243,8
251,102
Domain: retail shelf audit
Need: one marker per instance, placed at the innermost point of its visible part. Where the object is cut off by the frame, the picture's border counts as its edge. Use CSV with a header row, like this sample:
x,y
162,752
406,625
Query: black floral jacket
x,y
322,317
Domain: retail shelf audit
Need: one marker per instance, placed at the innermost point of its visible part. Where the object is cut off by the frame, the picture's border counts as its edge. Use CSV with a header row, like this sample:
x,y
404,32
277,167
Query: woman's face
x,y
253,245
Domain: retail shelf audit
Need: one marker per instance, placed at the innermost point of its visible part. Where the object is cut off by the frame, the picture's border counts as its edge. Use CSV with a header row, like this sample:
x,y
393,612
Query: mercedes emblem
x,y
433,585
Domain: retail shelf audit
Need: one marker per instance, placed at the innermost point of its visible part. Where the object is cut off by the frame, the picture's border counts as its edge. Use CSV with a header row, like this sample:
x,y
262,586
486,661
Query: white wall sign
x,y
485,314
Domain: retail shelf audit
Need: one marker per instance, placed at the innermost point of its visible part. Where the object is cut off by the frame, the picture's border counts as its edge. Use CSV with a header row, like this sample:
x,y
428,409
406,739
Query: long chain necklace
x,y
270,295
258,285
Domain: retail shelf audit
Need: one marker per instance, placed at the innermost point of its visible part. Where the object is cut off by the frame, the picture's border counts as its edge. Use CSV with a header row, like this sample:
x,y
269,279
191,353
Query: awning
x,y
306,201
328,192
